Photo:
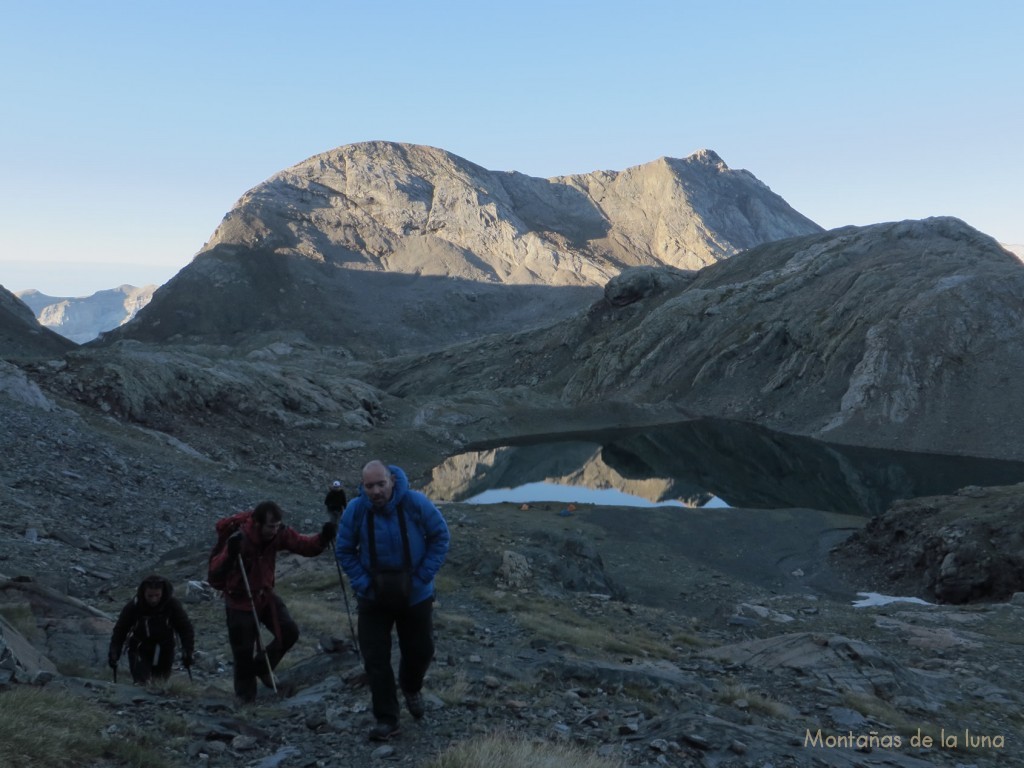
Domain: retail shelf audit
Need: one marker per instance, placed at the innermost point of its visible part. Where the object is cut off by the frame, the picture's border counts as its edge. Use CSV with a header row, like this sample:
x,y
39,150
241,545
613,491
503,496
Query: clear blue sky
x,y
130,128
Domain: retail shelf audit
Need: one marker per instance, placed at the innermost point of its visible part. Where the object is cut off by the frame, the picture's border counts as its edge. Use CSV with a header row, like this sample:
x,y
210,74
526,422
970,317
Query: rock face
x,y
385,248
952,549
902,335
84,318
907,333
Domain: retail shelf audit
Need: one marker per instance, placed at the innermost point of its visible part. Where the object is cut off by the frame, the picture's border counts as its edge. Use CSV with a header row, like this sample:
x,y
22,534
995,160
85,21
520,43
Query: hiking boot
x,y
383,731
265,678
414,703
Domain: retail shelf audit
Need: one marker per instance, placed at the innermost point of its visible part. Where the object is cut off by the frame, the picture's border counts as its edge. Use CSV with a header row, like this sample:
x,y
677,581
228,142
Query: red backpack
x,y
224,527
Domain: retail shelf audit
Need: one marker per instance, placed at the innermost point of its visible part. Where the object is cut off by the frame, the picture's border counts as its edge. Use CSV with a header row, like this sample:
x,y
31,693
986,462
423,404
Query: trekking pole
x,y
348,610
344,592
255,618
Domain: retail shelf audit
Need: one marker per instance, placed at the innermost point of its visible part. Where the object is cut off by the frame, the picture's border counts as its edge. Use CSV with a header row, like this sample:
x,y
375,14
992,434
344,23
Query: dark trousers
x,y
414,625
150,660
243,633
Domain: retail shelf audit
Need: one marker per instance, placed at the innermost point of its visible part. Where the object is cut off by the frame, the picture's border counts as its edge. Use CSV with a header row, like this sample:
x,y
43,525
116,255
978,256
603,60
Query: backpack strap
x,y
372,539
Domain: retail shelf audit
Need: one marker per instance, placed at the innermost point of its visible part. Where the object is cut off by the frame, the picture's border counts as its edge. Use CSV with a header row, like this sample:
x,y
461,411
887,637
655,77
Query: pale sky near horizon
x,y
129,129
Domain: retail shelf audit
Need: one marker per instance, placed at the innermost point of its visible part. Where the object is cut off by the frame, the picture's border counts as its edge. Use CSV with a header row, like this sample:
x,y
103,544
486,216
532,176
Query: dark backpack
x,y
224,527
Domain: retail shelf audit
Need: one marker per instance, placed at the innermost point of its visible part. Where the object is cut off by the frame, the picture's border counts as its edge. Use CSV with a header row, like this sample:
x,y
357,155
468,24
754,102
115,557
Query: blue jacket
x,y
428,539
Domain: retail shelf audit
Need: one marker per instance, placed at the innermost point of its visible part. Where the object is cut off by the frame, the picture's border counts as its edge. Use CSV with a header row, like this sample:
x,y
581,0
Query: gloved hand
x,y
235,543
186,659
112,659
328,532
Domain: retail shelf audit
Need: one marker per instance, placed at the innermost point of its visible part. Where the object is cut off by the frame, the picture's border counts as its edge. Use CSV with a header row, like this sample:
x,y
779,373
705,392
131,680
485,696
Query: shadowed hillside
x,y
21,335
901,336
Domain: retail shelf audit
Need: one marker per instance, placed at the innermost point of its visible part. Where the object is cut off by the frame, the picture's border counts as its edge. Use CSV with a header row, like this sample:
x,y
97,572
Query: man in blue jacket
x,y
391,543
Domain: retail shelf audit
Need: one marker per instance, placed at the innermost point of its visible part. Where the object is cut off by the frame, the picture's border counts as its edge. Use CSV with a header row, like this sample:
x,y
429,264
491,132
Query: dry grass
x,y
49,728
504,751
449,684
558,622
877,709
735,693
454,623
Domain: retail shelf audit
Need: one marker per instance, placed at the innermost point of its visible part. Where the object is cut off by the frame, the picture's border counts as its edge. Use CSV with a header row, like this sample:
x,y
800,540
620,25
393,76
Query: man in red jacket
x,y
254,546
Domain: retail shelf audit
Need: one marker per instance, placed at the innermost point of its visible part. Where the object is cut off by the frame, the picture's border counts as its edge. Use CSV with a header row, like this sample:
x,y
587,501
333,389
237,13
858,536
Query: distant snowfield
x,y
554,492
872,599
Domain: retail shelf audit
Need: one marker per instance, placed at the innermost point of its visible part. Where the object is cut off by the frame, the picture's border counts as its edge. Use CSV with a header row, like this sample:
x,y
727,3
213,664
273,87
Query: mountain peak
x,y
708,157
372,224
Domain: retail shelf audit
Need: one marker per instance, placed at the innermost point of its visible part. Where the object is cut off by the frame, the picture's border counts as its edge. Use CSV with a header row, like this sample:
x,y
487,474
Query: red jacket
x,y
260,558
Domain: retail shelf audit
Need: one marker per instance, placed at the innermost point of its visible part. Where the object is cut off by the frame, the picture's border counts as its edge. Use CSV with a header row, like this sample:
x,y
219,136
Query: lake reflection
x,y
742,465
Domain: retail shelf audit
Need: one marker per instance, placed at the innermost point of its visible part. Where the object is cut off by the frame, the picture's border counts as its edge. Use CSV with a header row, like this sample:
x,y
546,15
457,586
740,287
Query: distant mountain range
x,y
425,247
83,318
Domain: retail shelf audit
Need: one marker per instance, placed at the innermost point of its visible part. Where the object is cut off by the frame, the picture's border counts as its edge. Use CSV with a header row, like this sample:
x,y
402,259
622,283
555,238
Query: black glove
x,y
235,543
112,659
328,532
186,659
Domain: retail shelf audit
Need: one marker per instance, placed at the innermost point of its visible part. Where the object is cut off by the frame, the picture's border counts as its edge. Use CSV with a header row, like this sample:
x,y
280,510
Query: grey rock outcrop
x,y
384,248
954,549
20,661
83,318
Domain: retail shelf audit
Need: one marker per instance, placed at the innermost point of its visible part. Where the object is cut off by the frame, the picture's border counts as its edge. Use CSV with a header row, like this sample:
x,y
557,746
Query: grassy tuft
x,y
50,728
877,709
756,702
559,622
450,685
503,751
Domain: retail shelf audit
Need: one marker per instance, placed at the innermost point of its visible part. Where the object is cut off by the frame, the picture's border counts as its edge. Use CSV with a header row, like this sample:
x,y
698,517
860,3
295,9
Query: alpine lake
x,y
707,463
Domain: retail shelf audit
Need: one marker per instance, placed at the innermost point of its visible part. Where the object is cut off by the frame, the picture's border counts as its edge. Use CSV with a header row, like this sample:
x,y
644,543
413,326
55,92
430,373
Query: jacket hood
x,y
165,585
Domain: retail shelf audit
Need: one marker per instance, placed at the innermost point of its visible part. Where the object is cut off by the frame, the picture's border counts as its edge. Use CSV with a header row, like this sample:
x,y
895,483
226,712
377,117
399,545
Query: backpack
x,y
224,527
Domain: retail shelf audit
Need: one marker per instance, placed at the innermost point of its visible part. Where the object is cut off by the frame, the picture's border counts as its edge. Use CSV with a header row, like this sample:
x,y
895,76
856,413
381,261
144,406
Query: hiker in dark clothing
x,y
149,622
260,536
336,500
391,543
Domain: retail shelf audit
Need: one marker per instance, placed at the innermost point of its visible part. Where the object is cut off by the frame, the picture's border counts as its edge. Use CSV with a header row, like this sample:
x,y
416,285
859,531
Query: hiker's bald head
x,y
378,483
376,464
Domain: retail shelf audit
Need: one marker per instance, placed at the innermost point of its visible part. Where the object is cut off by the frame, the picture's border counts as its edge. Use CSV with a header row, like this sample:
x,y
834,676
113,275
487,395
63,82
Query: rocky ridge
x,y
381,248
